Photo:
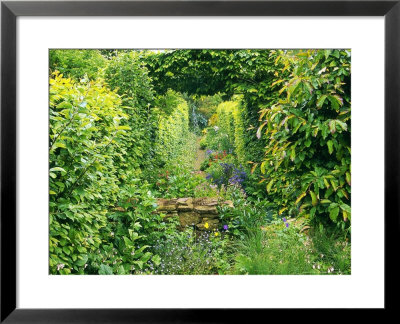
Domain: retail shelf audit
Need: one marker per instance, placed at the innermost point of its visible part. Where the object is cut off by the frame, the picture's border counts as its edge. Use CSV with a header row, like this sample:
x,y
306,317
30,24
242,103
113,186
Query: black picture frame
x,y
10,10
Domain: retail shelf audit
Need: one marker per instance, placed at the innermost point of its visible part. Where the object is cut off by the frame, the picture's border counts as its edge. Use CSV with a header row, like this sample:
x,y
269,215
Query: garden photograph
x,y
199,161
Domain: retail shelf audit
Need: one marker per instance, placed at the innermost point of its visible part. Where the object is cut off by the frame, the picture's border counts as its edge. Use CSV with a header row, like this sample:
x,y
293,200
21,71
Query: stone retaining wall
x,y
193,211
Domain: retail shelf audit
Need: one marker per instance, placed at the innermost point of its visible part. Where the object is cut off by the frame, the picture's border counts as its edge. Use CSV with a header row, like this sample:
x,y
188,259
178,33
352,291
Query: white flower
x,y
216,128
60,266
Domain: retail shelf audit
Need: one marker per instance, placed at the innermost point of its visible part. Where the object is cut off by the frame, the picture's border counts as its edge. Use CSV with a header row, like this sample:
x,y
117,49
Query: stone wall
x,y
193,211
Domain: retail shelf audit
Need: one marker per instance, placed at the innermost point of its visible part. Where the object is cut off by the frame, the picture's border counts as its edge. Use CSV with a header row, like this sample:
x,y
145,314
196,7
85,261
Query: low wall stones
x,y
193,211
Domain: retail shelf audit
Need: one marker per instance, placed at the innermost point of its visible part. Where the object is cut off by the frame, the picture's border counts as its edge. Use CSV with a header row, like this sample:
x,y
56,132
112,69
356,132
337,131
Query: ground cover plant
x,y
228,162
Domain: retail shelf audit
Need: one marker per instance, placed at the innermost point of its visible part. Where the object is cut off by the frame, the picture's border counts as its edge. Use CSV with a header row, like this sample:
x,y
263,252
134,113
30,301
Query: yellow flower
x,y
216,234
206,225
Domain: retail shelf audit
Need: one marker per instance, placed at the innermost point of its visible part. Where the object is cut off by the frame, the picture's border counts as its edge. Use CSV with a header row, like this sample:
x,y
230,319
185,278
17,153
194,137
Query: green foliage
x,y
173,126
283,252
246,216
189,253
126,75
122,132
277,249
88,146
230,120
85,129
217,140
177,178
249,73
77,64
307,158
333,250
203,143
198,112
207,105
225,122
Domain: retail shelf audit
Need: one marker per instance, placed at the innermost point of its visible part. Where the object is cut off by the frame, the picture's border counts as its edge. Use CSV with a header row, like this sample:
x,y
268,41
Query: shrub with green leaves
x,y
126,75
230,117
173,126
88,140
85,134
77,64
307,158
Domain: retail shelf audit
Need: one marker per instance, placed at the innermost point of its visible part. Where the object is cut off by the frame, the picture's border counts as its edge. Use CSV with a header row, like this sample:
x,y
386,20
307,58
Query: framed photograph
x,y
167,161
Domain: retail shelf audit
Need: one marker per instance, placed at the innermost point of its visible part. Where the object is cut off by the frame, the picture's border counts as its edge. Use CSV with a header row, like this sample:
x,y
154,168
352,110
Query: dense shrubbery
x,y
85,127
101,141
77,64
307,158
173,126
124,129
126,75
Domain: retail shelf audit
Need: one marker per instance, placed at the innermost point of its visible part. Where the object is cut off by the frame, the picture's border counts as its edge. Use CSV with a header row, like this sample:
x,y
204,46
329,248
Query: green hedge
x,y
86,131
173,126
230,120
102,136
129,78
77,64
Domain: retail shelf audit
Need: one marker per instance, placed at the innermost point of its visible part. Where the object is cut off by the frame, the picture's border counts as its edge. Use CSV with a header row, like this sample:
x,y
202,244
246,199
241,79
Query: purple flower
x,y
284,219
225,227
287,224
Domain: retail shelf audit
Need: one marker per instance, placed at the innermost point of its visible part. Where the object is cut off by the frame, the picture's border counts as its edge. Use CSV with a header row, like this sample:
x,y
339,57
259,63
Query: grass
x,y
284,251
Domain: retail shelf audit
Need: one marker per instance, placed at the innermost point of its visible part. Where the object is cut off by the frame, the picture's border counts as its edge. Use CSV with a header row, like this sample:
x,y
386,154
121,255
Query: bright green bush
x,y
225,119
173,126
77,64
230,120
129,78
88,140
85,131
